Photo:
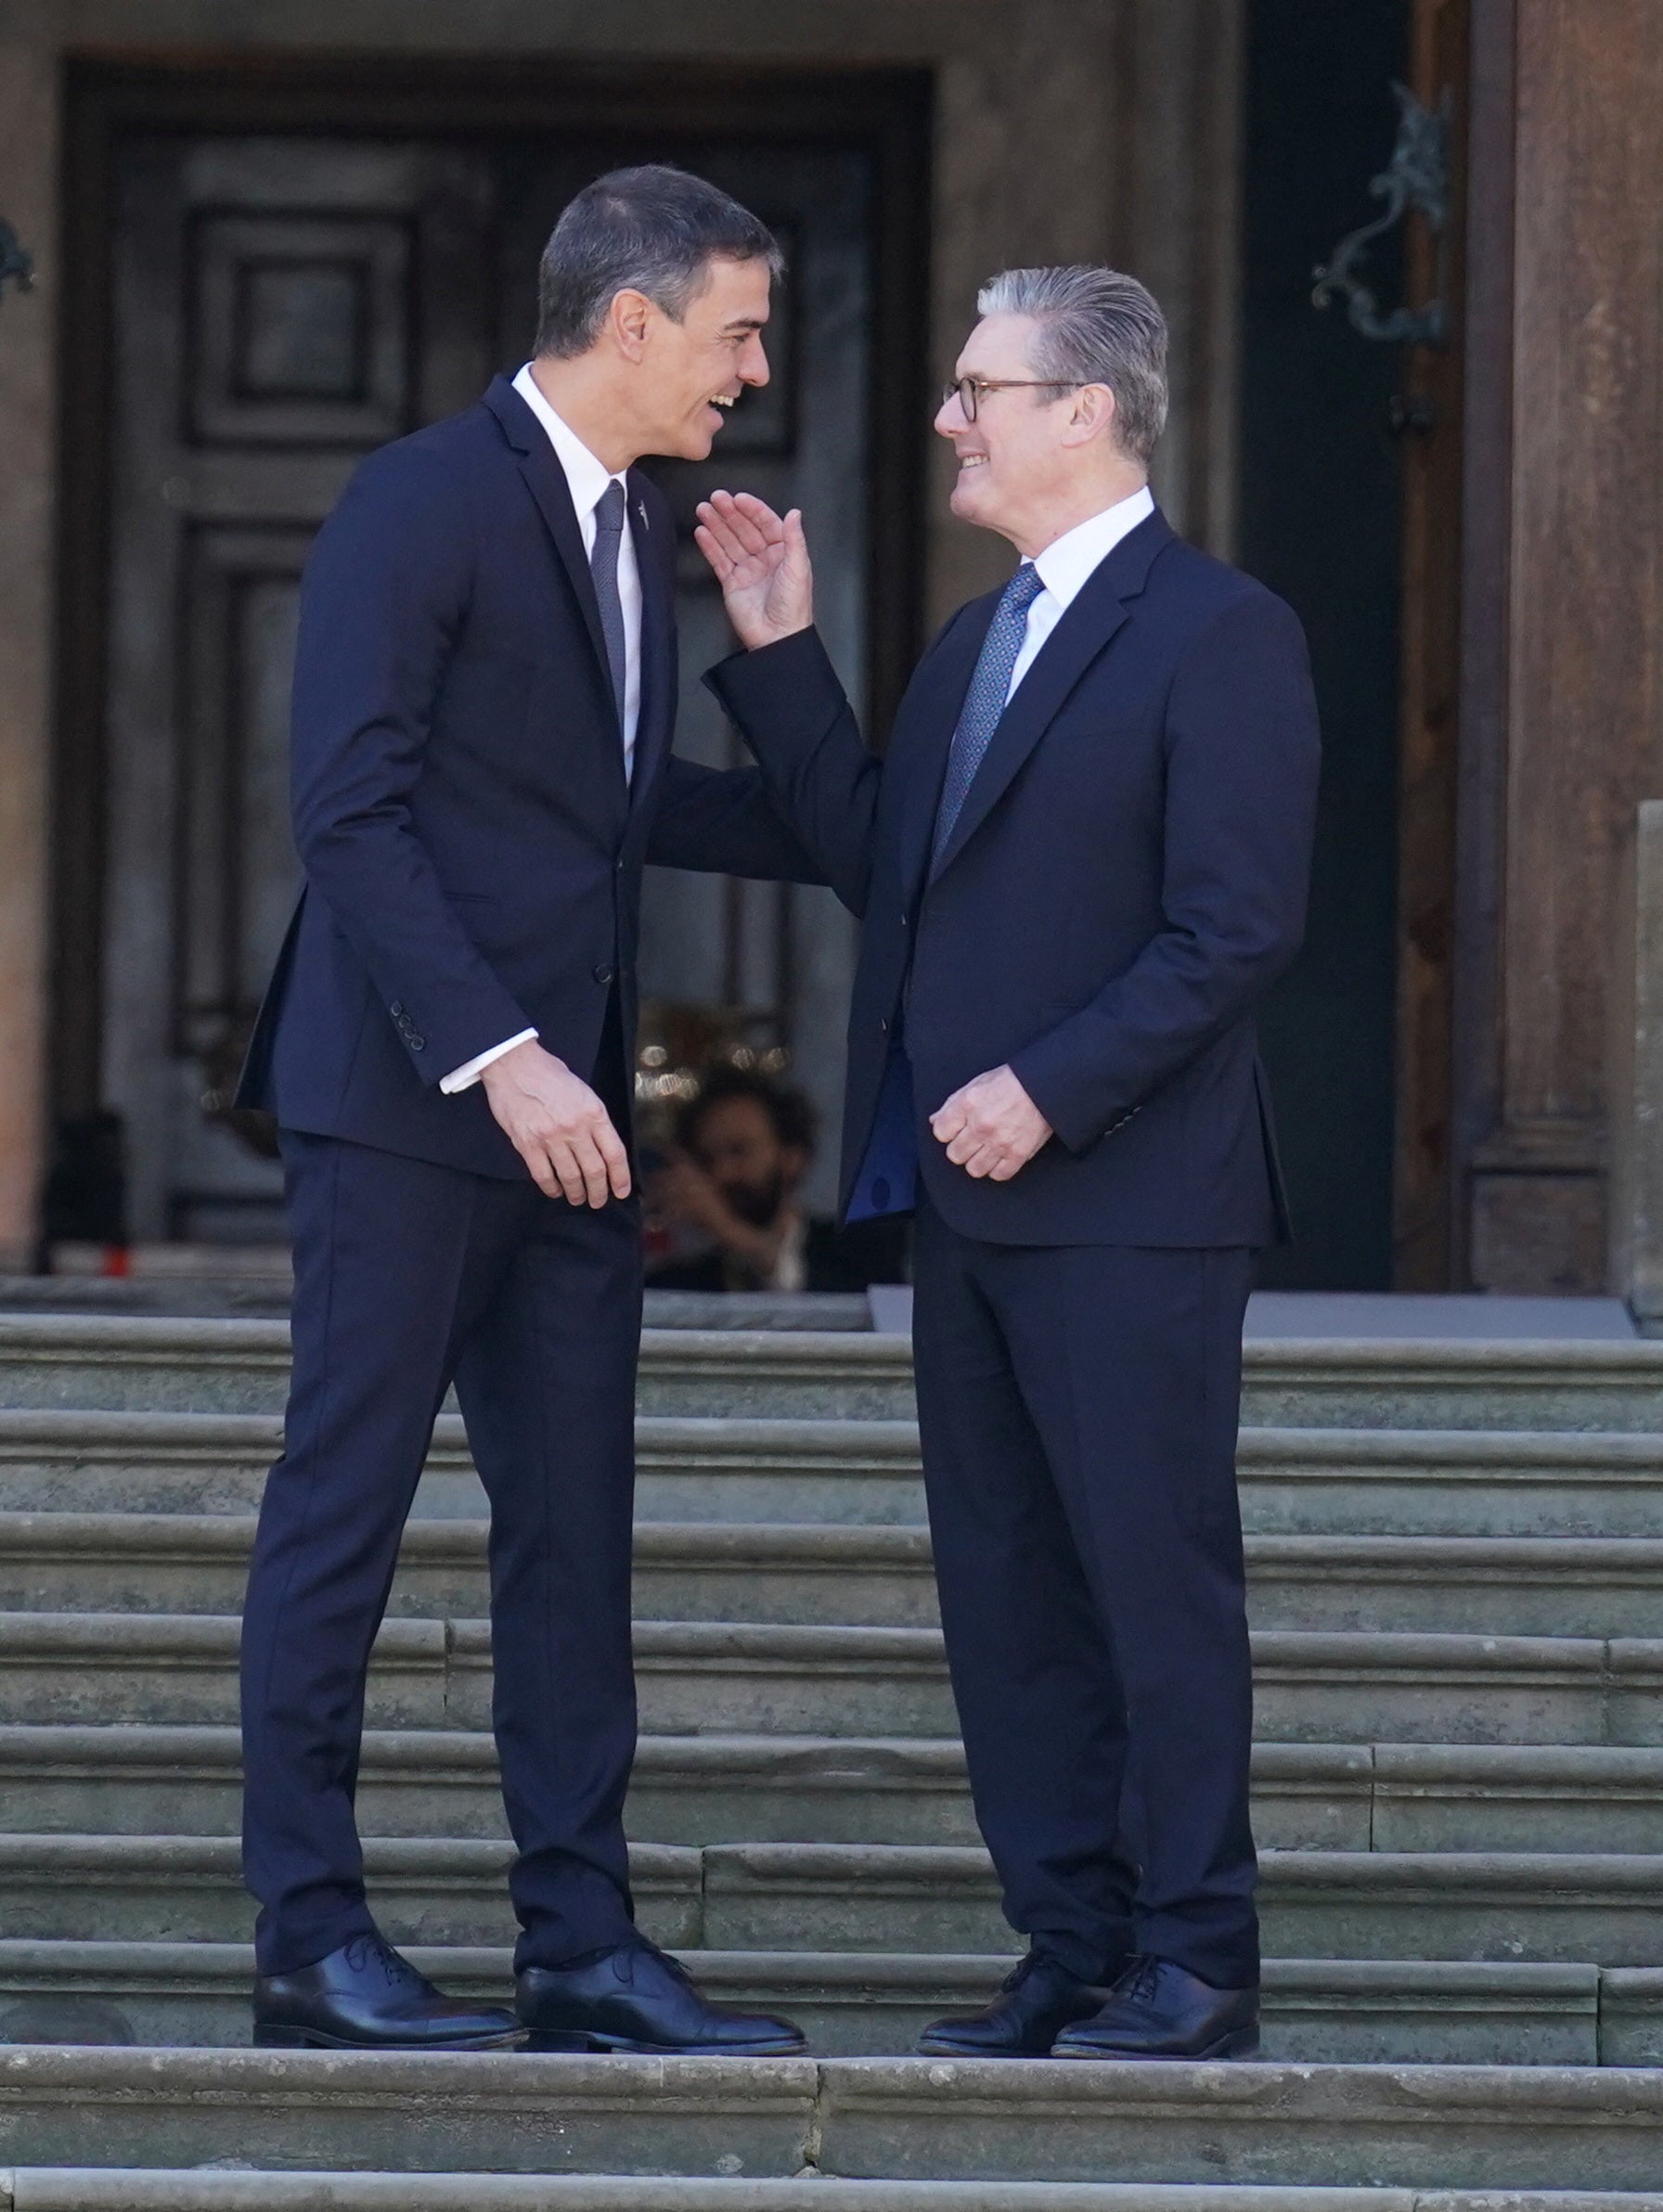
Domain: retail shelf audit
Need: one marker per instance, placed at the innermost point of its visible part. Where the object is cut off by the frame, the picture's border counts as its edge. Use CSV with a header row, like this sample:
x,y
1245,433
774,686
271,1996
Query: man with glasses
x,y
1080,861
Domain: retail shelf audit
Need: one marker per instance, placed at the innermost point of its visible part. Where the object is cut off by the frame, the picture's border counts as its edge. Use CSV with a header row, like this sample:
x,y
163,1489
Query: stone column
x,y
1634,1072
28,201
1578,656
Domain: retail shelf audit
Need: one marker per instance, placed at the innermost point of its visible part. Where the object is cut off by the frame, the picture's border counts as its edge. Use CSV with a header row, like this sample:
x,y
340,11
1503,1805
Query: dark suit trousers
x,y
408,1277
1078,1407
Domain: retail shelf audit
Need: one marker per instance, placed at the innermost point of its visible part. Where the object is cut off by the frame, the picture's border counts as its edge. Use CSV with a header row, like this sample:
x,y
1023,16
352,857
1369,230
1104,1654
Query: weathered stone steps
x,y
1410,2128
854,1575
1451,1483
695,1790
1303,1480
1341,2012
773,1678
241,1366
1489,1907
90,2189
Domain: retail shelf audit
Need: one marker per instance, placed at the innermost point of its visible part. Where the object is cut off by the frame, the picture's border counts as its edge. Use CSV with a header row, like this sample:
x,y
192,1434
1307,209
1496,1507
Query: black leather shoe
x,y
1157,2010
365,1997
1035,2003
635,1999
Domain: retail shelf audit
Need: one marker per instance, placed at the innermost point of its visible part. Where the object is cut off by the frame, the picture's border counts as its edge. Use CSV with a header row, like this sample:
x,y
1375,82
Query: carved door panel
x,y
282,306
1424,1253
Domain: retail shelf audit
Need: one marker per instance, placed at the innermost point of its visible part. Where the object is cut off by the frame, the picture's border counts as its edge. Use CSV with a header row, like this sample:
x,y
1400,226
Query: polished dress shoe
x,y
1035,2003
365,1997
1157,2010
635,1999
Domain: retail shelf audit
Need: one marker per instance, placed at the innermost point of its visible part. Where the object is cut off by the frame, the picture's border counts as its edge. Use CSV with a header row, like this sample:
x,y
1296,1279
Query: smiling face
x,y
1019,461
689,373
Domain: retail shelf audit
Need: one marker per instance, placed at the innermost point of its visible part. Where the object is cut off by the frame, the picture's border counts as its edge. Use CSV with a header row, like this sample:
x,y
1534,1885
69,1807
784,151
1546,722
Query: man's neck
x,y
580,396
1040,531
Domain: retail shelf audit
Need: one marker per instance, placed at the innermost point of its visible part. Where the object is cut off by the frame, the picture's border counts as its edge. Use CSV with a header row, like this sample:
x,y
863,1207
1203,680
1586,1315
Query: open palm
x,y
761,562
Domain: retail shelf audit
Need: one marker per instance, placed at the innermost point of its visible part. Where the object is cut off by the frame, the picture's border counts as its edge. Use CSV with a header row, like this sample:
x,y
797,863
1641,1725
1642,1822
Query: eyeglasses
x,y
968,390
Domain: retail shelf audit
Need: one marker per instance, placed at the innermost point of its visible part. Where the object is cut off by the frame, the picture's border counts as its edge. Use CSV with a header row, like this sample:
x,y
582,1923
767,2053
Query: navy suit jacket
x,y
472,849
1128,873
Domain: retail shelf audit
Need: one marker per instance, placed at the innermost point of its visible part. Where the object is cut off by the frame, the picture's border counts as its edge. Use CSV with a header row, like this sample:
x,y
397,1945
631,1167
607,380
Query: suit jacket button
x,y
397,1011
603,974
419,1044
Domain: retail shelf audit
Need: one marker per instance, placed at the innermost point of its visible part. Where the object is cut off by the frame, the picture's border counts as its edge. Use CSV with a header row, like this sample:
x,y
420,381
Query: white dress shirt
x,y
1067,561
586,478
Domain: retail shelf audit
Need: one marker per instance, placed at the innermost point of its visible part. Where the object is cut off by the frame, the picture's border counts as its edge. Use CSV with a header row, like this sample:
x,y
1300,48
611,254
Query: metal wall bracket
x,y
1416,177
17,264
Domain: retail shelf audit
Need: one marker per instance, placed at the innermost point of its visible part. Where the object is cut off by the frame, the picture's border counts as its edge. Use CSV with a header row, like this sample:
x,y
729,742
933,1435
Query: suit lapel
x,y
546,480
1095,616
654,555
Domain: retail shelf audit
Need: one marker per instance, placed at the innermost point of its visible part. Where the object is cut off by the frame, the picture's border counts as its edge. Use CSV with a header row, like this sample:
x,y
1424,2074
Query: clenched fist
x,y
990,1126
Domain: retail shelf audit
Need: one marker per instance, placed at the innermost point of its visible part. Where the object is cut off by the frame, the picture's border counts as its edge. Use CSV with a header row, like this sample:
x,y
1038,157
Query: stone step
x,y
1409,2128
1293,1480
1494,1907
1349,2012
726,1677
1335,1904
214,1366
697,1790
840,1576
139,2189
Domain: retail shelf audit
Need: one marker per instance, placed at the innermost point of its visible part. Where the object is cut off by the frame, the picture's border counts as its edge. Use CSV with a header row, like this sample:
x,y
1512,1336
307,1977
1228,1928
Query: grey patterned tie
x,y
603,567
985,701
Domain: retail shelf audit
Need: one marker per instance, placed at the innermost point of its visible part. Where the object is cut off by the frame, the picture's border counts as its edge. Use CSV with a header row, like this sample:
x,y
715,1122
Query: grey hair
x,y
652,230
1095,326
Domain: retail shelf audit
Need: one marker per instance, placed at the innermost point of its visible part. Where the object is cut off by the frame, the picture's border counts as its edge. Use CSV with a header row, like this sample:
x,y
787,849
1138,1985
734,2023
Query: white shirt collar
x,y
587,476
1069,559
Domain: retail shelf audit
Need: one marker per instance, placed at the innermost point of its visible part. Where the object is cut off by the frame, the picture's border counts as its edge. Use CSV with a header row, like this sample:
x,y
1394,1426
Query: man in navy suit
x,y
1081,859
485,690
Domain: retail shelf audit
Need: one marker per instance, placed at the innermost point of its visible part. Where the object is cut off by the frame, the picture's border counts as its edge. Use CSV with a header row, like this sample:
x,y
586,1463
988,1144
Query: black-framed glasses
x,y
968,390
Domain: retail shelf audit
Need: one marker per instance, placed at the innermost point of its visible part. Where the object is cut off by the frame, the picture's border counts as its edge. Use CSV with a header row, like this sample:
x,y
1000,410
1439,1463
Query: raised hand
x,y
761,562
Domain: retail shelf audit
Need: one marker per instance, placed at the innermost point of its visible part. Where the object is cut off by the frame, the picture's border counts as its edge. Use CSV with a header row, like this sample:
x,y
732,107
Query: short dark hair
x,y
650,230
787,1108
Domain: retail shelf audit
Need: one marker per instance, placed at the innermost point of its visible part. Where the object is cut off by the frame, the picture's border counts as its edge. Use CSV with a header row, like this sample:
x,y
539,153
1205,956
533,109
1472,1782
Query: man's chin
x,y
966,502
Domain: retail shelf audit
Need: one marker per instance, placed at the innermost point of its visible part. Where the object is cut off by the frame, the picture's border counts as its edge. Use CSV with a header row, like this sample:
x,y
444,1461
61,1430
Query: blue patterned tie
x,y
985,701
603,567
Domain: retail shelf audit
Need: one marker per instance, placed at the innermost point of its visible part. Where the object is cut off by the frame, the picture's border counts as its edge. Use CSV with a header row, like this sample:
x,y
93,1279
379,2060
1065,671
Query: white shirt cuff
x,y
464,1078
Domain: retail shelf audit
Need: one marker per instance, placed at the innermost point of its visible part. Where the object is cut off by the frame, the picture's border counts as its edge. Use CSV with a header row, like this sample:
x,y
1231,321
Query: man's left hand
x,y
991,1126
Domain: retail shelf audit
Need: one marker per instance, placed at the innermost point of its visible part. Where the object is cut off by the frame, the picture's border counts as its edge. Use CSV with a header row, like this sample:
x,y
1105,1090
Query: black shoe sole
x,y
580,2039
314,2038
1240,2043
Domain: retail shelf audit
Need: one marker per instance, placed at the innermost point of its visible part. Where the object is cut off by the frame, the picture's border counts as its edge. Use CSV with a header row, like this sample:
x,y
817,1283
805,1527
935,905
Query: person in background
x,y
742,1148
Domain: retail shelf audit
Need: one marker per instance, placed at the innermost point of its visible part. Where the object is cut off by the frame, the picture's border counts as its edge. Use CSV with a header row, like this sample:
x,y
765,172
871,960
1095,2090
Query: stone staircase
x,y
1456,1560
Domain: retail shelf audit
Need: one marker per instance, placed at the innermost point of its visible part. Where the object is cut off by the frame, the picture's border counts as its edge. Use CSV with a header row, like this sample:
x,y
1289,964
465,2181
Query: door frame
x,y
884,110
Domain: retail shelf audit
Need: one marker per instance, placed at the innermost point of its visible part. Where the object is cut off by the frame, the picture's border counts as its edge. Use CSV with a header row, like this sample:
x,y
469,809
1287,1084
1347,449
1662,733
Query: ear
x,y
629,319
1091,416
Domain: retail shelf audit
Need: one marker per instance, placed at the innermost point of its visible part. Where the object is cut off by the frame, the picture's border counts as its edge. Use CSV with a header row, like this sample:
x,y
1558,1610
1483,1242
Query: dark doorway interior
x,y
1320,523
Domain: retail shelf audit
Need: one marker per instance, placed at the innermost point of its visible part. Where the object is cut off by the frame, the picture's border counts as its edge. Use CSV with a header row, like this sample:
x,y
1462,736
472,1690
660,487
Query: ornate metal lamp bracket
x,y
1416,177
17,264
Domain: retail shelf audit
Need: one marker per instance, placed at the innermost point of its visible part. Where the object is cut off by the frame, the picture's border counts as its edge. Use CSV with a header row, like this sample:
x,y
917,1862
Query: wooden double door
x,y
282,304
